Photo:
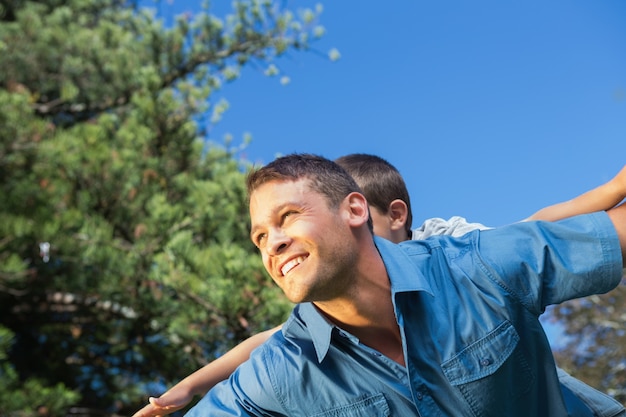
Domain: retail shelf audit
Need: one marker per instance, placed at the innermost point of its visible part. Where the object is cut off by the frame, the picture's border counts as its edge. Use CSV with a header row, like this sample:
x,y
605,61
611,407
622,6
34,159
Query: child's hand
x,y
173,400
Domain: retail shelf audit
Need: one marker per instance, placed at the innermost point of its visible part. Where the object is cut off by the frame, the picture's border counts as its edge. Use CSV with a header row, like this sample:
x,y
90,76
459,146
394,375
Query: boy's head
x,y
386,193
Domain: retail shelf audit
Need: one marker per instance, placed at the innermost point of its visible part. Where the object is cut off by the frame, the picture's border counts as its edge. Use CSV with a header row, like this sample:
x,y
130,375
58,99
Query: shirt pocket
x,y
374,406
493,372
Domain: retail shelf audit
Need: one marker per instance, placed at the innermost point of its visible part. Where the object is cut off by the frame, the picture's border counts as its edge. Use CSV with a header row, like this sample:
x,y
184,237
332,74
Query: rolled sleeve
x,y
545,263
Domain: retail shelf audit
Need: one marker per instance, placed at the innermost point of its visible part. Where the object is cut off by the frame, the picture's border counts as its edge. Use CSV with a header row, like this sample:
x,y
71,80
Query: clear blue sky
x,y
491,109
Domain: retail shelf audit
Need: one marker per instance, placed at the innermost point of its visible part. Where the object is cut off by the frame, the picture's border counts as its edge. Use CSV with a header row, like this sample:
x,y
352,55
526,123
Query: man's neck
x,y
366,311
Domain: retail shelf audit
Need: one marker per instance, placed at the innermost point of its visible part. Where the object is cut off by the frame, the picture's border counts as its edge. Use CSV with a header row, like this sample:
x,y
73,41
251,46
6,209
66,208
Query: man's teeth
x,y
291,264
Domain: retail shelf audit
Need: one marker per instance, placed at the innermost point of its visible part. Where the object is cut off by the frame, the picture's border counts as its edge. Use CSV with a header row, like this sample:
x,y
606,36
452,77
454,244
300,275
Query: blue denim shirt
x,y
468,313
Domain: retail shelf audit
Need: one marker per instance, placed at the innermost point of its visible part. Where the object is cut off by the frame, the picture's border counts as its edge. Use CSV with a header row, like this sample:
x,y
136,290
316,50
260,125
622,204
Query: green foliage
x,y
23,398
125,261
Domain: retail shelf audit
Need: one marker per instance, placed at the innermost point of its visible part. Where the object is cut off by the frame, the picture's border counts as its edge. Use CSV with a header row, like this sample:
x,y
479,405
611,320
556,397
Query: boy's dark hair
x,y
380,181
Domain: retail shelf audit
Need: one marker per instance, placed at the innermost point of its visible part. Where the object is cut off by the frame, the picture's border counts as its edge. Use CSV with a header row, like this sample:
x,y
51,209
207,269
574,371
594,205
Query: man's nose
x,y
277,241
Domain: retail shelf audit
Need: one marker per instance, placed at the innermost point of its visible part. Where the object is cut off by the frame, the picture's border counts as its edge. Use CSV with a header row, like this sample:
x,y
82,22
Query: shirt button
x,y
485,362
419,396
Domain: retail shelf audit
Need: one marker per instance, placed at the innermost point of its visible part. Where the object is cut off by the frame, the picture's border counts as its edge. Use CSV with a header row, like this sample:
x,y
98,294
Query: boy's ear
x,y
398,213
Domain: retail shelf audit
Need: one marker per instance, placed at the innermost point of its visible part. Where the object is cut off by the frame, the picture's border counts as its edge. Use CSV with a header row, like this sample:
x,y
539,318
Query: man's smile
x,y
289,265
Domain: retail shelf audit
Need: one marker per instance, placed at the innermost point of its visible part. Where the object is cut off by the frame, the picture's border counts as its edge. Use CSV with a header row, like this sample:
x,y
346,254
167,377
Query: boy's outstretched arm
x,y
202,380
603,197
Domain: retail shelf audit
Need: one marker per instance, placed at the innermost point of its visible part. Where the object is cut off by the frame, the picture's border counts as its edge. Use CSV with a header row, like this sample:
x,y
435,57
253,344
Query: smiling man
x,y
446,326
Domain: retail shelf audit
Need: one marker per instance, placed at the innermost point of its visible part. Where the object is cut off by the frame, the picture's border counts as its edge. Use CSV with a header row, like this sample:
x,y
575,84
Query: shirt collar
x,y
318,327
404,273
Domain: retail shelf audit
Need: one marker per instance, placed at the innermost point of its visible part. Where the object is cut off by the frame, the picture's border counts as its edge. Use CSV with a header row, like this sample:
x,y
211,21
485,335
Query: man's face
x,y
308,249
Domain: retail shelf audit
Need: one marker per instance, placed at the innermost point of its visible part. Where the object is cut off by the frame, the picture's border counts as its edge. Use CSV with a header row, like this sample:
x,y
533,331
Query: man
x,y
390,209
440,327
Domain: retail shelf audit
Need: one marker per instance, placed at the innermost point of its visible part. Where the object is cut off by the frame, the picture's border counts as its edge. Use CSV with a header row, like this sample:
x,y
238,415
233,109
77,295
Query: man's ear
x,y
358,210
398,213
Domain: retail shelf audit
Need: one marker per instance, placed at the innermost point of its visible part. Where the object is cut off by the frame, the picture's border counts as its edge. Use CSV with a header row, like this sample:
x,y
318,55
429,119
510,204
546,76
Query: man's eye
x,y
260,238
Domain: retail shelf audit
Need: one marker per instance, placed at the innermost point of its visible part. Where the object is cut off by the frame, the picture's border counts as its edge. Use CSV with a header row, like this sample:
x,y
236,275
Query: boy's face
x,y
307,247
381,222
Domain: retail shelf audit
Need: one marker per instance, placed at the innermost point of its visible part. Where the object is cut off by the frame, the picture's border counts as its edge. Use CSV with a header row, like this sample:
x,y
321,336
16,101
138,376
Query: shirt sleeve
x,y
454,226
544,263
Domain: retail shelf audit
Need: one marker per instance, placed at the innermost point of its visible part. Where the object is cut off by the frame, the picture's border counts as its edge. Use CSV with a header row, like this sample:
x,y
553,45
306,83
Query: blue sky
x,y
491,109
